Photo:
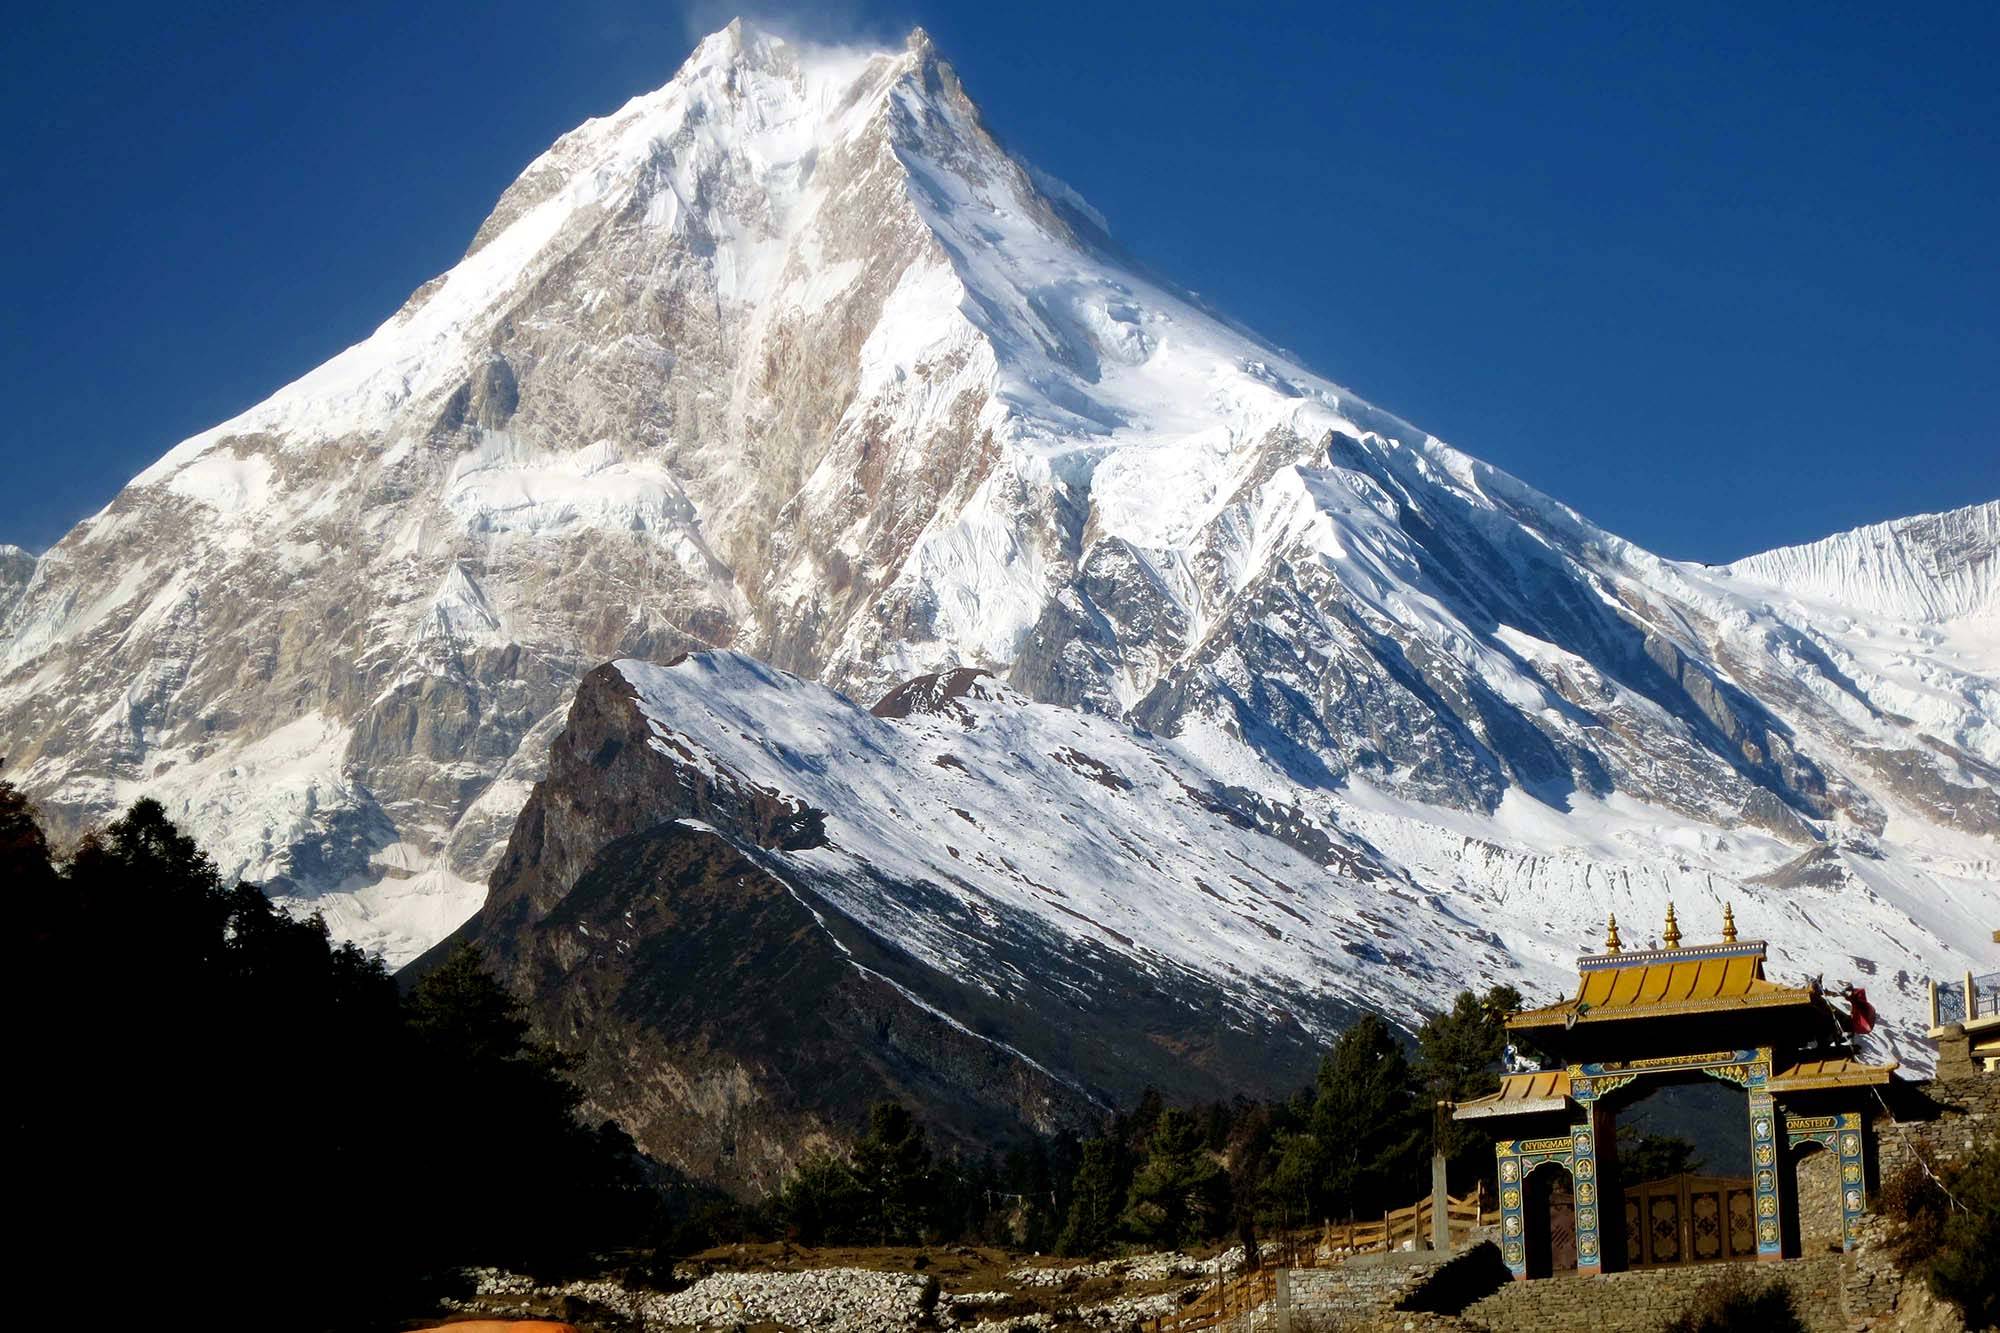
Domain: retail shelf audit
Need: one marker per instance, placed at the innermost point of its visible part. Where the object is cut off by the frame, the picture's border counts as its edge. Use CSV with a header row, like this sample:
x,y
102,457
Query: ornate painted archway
x,y
1590,1084
1707,1010
1839,1138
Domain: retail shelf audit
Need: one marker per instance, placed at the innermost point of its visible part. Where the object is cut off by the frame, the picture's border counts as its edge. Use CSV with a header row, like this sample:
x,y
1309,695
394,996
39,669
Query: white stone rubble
x,y
836,1300
1156,1267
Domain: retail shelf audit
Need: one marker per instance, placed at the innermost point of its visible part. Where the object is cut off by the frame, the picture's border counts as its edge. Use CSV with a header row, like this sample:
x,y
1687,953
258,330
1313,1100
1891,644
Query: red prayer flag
x,y
1860,1014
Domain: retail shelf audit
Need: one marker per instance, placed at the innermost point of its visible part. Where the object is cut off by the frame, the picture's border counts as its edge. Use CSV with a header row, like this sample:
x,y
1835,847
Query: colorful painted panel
x,y
1852,1173
1516,1158
1764,1156
1589,1256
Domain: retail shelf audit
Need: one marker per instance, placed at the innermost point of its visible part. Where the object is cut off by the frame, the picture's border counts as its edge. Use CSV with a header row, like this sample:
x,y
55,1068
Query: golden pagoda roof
x,y
1520,1094
1838,1073
1647,983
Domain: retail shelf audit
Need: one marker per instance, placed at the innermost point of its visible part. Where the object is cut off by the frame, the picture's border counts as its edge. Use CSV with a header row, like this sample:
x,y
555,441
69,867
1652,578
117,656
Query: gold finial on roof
x,y
1611,943
1728,924
1672,934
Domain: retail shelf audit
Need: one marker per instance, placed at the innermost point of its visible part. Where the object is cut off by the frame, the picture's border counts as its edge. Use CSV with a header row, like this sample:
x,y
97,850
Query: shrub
x,y
822,1200
1949,1232
1732,1304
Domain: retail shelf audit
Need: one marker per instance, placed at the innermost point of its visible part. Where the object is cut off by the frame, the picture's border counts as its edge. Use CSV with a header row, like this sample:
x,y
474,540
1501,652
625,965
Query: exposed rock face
x,y
791,357
743,969
16,568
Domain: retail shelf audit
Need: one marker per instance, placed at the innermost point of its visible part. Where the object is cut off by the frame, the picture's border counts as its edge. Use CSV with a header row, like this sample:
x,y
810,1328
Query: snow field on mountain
x,y
1032,809
1023,808
1878,570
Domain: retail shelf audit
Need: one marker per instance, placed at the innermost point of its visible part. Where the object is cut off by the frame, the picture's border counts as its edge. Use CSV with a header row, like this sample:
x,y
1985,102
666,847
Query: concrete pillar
x,y
1440,1207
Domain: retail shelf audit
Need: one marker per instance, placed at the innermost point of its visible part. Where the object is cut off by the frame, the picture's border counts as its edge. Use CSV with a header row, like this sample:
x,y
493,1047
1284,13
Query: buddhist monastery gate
x,y
1643,1020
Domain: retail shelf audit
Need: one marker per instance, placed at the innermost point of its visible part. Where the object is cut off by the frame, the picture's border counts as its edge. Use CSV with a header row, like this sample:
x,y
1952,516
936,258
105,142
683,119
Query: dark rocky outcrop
x,y
731,1017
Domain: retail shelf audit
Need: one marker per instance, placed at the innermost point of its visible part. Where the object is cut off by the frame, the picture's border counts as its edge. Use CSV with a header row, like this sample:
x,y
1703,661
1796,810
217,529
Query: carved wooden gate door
x,y
1562,1224
1689,1220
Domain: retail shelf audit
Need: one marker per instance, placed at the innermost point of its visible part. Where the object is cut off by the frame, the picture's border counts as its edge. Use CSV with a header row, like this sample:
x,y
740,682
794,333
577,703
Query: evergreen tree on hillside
x,y
200,1054
1645,1157
529,1183
1458,1058
230,1101
1038,1176
24,849
1297,1186
892,1165
1097,1197
1181,1194
821,1201
1365,1122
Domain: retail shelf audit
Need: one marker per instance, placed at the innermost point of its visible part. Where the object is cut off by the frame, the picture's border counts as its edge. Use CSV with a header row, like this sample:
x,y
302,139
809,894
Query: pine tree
x,y
1458,1058
1365,1120
1297,1185
24,849
1181,1194
521,1178
1097,1196
892,1164
822,1201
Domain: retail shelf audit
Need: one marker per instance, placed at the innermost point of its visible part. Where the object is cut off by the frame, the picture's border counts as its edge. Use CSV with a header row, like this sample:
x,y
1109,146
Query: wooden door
x,y
1562,1224
1689,1220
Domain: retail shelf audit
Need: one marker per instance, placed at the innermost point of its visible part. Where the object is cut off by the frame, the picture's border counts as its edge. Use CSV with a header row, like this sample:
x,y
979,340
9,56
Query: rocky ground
x,y
774,1287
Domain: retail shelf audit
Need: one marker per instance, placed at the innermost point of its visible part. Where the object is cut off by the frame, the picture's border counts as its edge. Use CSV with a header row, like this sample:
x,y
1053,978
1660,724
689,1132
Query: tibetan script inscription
x,y
1670,1062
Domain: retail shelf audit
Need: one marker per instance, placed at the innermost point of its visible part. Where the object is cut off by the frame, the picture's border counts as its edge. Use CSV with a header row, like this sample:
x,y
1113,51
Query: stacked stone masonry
x,y
1965,1115
1322,1300
1643,1302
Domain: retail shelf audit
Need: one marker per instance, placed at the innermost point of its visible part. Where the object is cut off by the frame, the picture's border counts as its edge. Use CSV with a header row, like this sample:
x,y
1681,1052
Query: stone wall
x,y
1643,1301
1816,1178
1943,1121
1324,1299
1879,1298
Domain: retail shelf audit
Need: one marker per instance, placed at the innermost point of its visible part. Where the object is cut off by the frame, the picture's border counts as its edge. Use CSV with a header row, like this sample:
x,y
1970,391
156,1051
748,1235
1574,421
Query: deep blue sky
x,y
1721,276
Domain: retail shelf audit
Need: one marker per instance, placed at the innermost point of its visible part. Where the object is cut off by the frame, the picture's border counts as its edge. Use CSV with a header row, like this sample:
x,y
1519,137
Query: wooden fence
x,y
1407,1225
1231,1296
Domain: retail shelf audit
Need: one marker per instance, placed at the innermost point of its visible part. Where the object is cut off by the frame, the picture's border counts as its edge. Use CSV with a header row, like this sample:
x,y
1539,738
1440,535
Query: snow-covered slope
x,y
791,357
1016,810
1926,569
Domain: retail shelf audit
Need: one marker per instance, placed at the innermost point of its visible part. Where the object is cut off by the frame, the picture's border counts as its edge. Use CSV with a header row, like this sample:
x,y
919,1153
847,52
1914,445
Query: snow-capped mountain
x,y
751,908
791,358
